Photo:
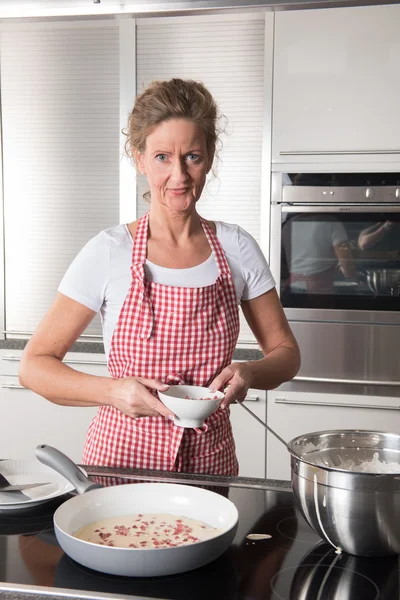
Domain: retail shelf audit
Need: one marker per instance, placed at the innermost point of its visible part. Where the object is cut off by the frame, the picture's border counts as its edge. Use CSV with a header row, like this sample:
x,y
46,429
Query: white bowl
x,y
185,403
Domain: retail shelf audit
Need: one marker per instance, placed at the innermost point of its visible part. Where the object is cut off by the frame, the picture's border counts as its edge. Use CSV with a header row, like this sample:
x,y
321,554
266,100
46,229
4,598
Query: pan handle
x,y
53,458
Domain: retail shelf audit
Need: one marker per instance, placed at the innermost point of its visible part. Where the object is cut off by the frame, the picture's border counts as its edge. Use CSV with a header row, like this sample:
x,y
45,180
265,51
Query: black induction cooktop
x,y
294,564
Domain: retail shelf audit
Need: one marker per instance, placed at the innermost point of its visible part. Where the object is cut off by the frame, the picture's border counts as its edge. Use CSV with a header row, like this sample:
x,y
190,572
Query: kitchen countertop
x,y
98,348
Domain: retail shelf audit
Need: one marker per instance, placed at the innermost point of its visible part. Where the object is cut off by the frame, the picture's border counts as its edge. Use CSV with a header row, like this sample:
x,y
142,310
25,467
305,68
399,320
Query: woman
x,y
168,287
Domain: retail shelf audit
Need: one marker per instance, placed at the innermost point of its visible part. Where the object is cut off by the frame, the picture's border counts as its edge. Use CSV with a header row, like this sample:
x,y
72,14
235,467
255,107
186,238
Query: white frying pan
x,y
101,503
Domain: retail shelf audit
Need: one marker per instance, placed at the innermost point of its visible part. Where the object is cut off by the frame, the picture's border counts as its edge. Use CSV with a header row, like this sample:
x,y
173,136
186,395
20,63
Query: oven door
x,y
337,263
337,270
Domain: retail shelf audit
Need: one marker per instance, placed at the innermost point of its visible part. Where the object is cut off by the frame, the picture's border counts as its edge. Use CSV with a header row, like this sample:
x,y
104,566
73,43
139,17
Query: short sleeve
x,y
86,278
255,269
339,233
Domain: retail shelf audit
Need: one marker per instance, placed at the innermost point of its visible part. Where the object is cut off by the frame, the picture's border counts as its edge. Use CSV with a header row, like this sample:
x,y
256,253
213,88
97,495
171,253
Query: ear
x,y
139,158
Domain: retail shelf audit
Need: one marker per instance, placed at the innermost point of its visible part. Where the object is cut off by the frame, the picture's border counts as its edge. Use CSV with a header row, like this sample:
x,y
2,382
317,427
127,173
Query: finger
x,y
220,381
233,394
154,384
158,406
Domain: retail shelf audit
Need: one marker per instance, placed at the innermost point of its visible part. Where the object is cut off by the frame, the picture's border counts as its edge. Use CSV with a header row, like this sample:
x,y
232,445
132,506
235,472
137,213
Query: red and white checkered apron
x,y
177,335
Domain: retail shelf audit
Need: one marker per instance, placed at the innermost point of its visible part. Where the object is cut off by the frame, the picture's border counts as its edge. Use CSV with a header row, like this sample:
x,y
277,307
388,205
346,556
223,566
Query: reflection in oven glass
x,y
340,261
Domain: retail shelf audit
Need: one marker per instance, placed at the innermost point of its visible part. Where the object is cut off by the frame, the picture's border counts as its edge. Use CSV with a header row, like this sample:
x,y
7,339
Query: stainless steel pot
x,y
384,282
356,512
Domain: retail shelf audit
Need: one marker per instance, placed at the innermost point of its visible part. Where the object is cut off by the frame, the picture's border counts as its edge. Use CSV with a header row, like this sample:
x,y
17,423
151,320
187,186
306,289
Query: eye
x,y
161,157
193,157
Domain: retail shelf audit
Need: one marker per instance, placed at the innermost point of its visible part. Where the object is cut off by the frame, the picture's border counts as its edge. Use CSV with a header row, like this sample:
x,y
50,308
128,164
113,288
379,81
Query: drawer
x,y
250,439
29,420
93,364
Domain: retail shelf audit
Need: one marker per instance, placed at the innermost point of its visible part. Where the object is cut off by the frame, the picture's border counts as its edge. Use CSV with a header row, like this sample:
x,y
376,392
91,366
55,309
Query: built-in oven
x,y
335,255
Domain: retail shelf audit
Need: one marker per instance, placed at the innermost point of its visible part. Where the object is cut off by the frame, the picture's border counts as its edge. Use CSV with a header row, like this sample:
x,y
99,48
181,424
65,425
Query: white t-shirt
x,y
100,275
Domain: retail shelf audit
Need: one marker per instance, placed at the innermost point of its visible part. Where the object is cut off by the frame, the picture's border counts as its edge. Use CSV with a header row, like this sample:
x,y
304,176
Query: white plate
x,y
31,471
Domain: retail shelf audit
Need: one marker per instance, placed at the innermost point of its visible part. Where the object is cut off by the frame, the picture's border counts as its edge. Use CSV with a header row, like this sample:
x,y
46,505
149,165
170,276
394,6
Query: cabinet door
x,y
250,435
86,362
336,85
295,413
28,420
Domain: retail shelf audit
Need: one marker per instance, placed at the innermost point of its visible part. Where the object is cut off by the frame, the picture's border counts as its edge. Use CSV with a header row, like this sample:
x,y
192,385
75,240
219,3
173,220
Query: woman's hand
x,y
131,396
238,377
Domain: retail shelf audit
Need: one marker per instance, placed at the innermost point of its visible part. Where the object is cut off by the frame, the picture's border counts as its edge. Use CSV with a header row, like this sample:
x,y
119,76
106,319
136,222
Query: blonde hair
x,y
174,99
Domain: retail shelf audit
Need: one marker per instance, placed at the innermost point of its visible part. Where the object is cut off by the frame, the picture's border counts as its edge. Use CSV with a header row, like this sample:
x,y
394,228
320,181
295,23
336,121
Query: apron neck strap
x,y
139,251
216,247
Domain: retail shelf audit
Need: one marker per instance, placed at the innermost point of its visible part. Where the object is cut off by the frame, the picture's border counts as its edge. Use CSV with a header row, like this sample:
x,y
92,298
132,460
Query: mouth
x,y
178,191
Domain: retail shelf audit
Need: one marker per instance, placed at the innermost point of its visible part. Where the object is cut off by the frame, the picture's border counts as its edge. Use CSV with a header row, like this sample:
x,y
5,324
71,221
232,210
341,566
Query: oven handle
x,y
347,381
335,152
340,208
330,404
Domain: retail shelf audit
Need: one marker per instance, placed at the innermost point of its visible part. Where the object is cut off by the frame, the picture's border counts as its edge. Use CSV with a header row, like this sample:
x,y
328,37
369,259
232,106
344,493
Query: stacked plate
x,y
19,472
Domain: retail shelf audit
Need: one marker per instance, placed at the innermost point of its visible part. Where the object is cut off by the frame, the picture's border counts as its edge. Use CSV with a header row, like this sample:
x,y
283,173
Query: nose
x,y
179,171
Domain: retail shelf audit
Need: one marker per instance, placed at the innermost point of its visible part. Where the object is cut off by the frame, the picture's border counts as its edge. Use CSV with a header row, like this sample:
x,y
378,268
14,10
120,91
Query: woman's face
x,y
176,163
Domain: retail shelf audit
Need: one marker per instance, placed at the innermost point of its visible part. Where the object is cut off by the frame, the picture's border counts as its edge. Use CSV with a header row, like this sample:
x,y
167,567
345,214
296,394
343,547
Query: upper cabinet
x,y
336,87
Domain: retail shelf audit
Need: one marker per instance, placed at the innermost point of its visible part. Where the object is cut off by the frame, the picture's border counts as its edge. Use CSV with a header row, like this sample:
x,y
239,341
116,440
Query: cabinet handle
x,y
77,361
73,361
344,404
251,399
334,152
348,381
13,386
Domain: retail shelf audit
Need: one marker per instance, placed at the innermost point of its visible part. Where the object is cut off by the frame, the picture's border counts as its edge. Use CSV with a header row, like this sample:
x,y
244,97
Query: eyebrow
x,y
192,151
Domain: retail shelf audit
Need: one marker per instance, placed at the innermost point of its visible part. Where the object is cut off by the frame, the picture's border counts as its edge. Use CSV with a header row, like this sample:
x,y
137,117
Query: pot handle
x,y
53,458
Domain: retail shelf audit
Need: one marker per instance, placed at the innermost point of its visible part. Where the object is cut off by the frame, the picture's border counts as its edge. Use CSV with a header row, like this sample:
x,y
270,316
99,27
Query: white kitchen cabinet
x,y
27,419
336,87
295,413
249,435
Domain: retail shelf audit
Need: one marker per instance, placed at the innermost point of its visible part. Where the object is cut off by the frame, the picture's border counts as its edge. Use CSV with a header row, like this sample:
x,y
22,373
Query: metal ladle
x,y
278,437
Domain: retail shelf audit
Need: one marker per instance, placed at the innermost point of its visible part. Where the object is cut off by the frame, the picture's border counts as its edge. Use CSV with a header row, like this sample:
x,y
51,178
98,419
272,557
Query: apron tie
x,y
146,313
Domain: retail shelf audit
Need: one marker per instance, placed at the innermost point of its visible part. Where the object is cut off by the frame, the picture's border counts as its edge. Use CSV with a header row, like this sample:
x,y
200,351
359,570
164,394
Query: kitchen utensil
x,y
100,503
188,403
383,282
19,488
24,472
305,455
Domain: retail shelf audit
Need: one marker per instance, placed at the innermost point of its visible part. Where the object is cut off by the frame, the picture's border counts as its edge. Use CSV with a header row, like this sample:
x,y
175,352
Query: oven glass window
x,y
341,260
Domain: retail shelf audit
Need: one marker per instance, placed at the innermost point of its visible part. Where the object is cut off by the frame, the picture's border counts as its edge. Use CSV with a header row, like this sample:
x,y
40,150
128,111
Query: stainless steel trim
x,y
347,381
341,404
15,358
340,208
161,8
342,316
10,591
13,386
3,237
339,194
334,152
